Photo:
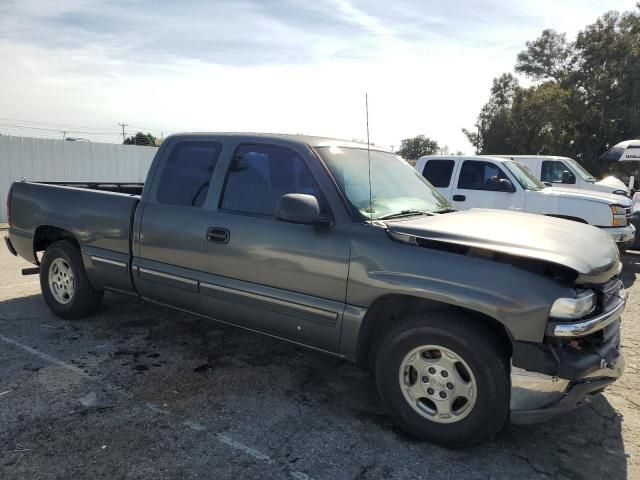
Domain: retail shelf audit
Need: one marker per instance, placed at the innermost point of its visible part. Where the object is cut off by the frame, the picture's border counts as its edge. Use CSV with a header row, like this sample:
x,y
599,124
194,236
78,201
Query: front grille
x,y
628,213
609,294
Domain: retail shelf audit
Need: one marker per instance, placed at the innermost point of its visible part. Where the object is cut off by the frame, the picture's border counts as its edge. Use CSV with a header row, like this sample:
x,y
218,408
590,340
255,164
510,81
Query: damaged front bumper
x,y
537,397
564,372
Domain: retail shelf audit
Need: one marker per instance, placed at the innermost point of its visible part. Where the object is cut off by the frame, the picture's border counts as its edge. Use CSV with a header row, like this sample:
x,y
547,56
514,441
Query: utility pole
x,y
123,134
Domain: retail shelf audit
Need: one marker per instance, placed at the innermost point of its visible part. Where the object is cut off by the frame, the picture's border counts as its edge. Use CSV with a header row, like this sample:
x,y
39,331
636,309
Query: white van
x,y
566,172
501,183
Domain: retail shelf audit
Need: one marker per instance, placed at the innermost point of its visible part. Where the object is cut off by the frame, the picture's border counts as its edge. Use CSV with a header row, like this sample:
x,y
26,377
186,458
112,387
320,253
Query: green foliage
x,y
586,95
494,127
546,58
145,139
416,147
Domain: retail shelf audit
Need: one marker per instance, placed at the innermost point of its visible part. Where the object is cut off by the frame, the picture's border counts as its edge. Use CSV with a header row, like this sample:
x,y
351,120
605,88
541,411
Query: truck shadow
x,y
631,267
290,391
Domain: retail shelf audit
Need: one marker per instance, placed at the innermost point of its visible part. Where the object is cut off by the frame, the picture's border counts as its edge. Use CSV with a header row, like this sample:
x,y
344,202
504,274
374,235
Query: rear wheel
x,y
64,282
443,379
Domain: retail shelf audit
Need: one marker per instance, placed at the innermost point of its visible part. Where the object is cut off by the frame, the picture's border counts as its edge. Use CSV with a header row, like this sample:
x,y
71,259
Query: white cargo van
x,y
568,173
493,182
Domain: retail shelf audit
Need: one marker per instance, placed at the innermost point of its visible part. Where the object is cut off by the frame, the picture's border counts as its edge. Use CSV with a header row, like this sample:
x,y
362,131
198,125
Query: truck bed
x,y
98,215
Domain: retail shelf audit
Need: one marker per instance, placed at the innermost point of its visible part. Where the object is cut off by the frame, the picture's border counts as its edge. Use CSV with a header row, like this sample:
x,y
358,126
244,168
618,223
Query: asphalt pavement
x,y
142,391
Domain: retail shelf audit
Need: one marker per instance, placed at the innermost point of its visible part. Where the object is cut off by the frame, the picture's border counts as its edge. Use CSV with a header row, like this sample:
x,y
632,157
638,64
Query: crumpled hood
x,y
586,249
604,197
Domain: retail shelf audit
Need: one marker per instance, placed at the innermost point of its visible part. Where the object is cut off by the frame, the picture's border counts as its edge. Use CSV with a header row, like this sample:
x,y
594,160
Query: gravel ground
x,y
140,391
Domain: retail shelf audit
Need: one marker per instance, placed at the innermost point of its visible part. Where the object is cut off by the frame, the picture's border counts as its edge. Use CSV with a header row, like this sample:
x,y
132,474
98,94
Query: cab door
x,y
484,184
286,279
168,254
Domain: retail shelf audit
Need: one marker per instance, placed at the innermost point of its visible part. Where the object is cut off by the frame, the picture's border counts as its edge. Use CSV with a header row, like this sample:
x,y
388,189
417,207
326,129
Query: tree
x,y
546,58
586,95
416,147
140,138
541,120
493,128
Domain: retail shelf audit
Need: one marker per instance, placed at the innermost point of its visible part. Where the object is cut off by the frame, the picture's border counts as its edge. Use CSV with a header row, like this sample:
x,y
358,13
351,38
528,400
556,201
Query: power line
x,y
60,127
57,125
53,130
58,130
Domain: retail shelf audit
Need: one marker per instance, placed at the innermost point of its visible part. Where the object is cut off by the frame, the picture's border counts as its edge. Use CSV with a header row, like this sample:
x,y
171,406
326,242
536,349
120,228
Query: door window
x,y
438,172
260,174
476,175
187,173
555,171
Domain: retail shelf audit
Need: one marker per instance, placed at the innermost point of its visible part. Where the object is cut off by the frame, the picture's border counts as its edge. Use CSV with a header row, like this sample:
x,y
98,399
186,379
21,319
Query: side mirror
x,y
300,208
505,185
568,177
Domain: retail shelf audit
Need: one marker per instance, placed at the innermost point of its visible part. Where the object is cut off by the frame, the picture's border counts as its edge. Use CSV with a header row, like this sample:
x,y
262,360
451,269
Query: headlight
x,y
619,216
570,308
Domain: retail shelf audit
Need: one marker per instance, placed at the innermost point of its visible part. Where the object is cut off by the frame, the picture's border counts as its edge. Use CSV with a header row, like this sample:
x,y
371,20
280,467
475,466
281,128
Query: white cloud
x,y
247,70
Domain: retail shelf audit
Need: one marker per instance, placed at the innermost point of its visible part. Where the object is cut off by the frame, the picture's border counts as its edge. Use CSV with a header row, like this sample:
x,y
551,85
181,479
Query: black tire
x,y
482,352
85,298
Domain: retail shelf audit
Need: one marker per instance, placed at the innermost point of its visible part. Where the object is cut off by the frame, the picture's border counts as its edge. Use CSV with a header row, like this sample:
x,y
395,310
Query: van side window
x,y
260,174
555,171
187,173
438,172
477,175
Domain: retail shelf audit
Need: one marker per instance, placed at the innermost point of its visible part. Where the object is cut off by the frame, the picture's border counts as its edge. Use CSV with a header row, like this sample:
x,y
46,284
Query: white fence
x,y
39,159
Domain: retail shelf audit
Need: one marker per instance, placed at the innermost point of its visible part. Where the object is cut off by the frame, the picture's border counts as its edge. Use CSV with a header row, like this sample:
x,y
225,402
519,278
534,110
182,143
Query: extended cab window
x,y
187,173
438,172
476,175
555,171
260,174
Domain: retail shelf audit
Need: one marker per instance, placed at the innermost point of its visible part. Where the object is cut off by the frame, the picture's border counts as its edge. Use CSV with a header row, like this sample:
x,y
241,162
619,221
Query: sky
x,y
84,66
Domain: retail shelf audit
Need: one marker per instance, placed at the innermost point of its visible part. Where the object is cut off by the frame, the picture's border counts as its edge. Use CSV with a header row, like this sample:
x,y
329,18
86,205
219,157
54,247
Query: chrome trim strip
x,y
587,327
167,275
326,317
106,260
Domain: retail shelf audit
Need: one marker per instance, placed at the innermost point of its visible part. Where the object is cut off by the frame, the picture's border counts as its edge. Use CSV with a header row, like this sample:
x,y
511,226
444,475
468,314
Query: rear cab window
x,y
186,175
439,172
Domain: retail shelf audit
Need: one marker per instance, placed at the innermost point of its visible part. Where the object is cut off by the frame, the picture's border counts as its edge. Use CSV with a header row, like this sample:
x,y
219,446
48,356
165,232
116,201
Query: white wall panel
x,y
39,159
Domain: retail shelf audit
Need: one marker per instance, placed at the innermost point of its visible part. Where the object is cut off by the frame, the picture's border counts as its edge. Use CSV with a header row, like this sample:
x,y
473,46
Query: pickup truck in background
x,y
502,183
468,319
568,173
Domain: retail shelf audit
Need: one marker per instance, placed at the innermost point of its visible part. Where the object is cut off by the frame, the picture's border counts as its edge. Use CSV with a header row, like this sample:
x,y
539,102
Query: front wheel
x,y
443,378
65,286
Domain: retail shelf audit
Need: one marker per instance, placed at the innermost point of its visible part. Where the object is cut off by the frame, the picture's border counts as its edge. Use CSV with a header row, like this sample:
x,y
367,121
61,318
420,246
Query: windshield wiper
x,y
445,210
404,213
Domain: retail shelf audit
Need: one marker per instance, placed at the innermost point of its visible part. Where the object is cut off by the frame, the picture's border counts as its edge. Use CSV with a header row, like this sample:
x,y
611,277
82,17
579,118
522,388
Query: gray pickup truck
x,y
469,319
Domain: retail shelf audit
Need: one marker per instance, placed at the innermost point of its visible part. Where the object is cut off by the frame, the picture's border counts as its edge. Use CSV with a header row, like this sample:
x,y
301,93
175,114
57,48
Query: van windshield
x,y
525,177
397,189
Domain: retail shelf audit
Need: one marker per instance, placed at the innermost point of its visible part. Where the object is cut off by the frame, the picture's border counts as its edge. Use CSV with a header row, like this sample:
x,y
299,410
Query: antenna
x,y
366,107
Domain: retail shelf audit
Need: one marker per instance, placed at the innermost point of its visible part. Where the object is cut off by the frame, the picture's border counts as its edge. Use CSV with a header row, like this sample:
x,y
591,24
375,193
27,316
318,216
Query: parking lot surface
x,y
142,391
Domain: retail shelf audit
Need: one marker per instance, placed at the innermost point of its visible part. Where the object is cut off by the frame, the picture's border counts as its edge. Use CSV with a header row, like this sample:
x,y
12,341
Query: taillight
x,y
9,207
